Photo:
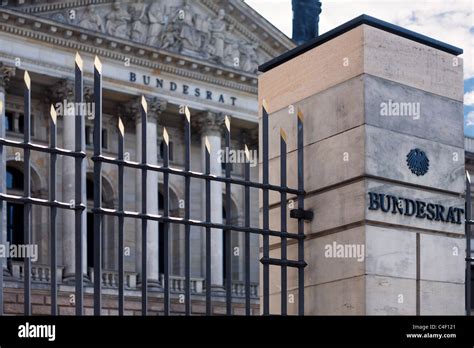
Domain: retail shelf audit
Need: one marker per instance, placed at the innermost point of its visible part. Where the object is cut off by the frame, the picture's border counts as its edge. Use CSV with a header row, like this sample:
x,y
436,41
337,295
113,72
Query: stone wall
x,y
409,265
41,302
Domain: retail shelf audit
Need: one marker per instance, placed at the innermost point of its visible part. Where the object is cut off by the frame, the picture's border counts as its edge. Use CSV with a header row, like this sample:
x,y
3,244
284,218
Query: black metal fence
x,y
469,260
98,159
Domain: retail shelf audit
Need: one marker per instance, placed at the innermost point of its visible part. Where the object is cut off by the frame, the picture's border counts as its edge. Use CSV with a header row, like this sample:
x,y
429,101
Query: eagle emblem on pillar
x,y
418,162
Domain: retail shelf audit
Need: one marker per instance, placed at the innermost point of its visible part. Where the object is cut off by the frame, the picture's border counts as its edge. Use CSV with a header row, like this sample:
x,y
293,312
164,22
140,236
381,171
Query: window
x,y
14,179
15,231
21,123
107,222
15,211
104,139
88,136
90,190
162,149
9,180
8,121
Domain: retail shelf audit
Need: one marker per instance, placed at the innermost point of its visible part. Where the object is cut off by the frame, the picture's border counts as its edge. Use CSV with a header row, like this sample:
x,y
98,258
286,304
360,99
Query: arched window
x,y
175,236
90,222
15,233
14,179
8,121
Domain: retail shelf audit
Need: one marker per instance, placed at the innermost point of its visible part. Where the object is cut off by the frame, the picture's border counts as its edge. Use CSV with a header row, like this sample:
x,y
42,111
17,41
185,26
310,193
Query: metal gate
x,y
79,207
469,260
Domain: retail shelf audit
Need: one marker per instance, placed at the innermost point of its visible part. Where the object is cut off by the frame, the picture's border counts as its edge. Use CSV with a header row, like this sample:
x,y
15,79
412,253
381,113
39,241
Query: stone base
x,y
393,276
41,302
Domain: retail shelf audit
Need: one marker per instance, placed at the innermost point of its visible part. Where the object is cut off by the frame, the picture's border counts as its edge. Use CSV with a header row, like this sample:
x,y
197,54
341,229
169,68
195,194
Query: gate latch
x,y
306,215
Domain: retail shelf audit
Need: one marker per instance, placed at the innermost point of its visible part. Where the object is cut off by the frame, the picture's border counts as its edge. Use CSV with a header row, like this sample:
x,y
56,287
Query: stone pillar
x,y
5,75
210,125
155,107
384,172
63,92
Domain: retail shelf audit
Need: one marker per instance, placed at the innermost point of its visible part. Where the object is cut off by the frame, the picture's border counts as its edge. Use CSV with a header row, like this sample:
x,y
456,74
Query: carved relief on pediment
x,y
183,28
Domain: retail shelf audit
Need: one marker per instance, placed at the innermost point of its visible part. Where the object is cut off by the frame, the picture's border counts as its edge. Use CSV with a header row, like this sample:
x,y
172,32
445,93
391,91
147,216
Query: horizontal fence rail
x,y
101,278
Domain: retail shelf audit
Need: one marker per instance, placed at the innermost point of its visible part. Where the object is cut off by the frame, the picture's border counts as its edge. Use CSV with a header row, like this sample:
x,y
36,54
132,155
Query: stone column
x,y
384,172
155,107
210,125
5,74
63,92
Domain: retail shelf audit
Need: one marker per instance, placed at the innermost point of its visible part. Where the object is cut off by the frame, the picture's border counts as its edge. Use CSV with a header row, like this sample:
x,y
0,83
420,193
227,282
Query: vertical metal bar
x,y
2,203
97,187
467,226
121,134
53,213
166,212
283,224
144,108
247,234
418,273
208,229
187,211
27,193
79,148
265,208
300,165
228,233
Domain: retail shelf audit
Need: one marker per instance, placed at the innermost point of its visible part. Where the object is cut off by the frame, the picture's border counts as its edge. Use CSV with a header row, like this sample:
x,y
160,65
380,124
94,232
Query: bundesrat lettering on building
x,y
417,208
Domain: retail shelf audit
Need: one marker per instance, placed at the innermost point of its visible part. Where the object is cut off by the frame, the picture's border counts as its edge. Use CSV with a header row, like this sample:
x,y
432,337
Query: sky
x,y
450,21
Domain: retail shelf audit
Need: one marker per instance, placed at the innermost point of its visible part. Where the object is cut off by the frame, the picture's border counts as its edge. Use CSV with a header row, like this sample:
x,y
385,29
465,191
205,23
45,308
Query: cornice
x,y
78,39
56,6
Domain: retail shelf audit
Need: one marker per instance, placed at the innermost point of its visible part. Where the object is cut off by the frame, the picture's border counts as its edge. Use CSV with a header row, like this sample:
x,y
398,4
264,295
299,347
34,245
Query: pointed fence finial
x,y
27,79
79,61
53,113
187,113
98,64
121,127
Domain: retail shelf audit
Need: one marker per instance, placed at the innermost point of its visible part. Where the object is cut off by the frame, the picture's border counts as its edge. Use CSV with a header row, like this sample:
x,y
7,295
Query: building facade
x,y
199,54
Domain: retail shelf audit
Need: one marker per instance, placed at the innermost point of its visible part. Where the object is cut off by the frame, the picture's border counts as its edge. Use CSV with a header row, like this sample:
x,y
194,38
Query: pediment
x,y
186,27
